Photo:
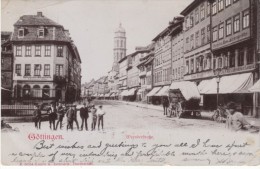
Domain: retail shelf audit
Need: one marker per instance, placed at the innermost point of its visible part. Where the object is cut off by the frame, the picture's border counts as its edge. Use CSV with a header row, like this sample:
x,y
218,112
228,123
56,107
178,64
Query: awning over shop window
x,y
107,95
256,87
163,91
188,89
239,83
131,92
113,95
124,92
154,91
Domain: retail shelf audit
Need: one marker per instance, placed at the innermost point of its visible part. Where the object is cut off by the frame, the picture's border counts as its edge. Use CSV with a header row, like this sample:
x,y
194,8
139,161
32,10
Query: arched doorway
x,y
17,91
26,91
36,91
46,91
58,95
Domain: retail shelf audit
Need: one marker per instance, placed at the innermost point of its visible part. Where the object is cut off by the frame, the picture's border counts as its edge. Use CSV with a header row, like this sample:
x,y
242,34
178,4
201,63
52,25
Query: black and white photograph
x,y
130,82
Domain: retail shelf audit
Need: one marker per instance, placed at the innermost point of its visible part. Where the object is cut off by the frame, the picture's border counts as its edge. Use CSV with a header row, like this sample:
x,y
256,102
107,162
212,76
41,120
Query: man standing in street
x,y
75,116
165,105
60,114
37,115
84,116
69,115
100,114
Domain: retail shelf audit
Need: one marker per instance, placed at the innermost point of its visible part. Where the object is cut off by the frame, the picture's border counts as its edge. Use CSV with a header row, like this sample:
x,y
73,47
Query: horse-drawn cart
x,y
184,99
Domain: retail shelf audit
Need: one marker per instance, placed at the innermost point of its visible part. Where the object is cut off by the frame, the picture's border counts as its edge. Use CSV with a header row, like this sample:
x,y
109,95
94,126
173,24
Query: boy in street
x,y
37,116
100,114
60,115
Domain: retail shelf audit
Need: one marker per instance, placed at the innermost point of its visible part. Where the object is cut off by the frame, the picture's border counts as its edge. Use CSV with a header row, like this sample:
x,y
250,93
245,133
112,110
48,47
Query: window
x,y
241,57
192,66
246,19
208,33
191,20
37,50
18,50
197,39
235,1
28,51
220,5
37,70
237,23
232,59
208,8
197,17
47,70
214,63
215,34
250,55
47,50
214,8
192,41
221,31
27,70
59,70
202,11
41,33
203,37
228,27
60,51
187,44
20,33
197,64
18,69
228,3
220,62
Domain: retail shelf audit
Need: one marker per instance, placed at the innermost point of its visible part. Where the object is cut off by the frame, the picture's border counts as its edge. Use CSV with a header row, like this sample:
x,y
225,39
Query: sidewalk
x,y
204,114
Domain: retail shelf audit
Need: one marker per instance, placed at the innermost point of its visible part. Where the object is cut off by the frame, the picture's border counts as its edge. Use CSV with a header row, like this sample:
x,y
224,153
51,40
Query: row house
x,y
123,73
47,65
234,57
145,72
6,67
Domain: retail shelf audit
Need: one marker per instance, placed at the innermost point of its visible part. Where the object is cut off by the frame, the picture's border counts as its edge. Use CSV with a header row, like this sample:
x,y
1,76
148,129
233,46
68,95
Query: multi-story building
x,y
123,74
234,56
178,64
145,72
6,67
47,65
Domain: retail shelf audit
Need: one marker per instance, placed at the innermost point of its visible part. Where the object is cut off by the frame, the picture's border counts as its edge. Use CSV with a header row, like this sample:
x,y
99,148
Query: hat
x,y
84,104
231,105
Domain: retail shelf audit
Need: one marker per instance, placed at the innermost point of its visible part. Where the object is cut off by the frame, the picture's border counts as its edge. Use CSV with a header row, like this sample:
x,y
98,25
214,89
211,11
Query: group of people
x,y
89,112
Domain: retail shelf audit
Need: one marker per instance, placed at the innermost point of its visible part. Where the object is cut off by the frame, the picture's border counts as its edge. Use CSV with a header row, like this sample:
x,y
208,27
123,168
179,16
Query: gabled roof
x,y
36,20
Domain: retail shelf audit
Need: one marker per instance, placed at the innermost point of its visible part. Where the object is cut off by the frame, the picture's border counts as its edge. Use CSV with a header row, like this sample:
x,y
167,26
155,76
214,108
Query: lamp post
x,y
217,72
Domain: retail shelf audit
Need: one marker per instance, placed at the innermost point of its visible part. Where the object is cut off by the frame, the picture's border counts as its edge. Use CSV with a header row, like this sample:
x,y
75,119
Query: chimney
x,y
39,14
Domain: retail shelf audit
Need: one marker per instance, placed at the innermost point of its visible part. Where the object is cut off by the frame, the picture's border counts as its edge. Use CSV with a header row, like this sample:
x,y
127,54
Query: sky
x,y
92,23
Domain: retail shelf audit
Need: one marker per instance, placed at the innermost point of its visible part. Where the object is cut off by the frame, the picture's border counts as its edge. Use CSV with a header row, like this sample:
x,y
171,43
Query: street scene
x,y
162,75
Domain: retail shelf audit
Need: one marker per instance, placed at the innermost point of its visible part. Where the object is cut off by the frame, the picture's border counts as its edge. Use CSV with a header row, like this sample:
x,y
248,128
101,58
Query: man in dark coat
x,y
84,116
37,117
165,105
60,115
70,114
52,115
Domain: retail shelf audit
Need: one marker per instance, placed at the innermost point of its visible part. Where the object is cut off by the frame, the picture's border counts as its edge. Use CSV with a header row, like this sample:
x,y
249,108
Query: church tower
x,y
119,46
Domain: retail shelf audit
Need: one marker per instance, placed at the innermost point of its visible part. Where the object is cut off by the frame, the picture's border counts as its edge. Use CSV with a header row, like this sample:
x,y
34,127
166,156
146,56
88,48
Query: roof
x,y
121,60
161,34
190,7
35,20
6,33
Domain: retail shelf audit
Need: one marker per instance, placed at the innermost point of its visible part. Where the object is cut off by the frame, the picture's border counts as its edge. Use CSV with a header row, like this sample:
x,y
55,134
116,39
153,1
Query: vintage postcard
x,y
121,82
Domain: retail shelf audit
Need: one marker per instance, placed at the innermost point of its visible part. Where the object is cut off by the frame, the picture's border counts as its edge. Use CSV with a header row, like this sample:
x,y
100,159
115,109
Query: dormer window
x,y
41,33
21,33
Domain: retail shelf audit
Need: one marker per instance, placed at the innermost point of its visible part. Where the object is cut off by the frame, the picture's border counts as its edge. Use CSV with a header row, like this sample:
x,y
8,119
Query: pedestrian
x,y
60,115
37,117
93,117
52,111
69,115
75,116
100,114
84,116
236,120
165,105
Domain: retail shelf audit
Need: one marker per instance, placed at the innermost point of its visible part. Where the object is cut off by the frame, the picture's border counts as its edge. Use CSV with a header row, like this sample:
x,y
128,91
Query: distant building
x,y
6,67
123,74
47,65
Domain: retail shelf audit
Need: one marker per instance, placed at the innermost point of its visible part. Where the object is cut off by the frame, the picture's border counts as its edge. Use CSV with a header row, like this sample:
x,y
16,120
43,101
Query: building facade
x,y
123,74
234,52
47,65
6,67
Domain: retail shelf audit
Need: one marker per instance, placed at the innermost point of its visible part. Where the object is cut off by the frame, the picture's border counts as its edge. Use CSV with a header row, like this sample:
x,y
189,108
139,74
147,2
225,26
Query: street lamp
x,y
217,72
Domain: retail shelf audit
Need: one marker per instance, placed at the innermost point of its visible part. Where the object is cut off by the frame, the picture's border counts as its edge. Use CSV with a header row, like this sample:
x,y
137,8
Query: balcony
x,y
60,80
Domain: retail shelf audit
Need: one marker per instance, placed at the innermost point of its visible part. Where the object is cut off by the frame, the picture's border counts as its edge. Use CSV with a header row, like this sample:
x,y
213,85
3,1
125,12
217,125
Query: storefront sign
x,y
237,69
37,78
231,39
199,75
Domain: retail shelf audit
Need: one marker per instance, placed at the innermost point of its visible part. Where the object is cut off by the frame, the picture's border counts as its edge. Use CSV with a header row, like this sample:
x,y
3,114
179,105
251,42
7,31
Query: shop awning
x,y
153,91
163,91
113,95
131,92
107,95
188,89
239,83
124,92
256,87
